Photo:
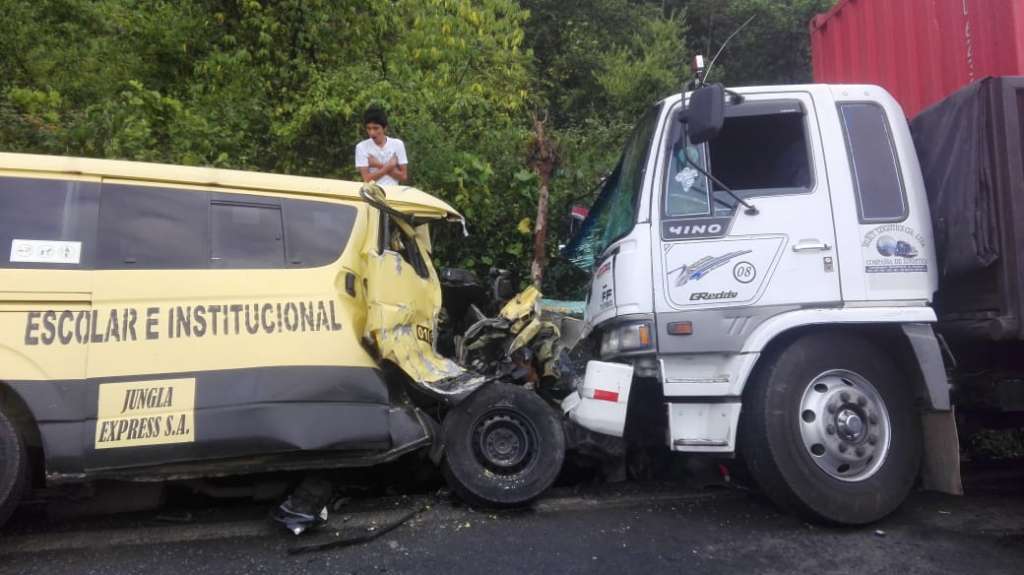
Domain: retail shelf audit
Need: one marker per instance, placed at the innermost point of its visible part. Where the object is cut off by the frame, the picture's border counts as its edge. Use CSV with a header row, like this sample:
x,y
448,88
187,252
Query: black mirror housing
x,y
705,113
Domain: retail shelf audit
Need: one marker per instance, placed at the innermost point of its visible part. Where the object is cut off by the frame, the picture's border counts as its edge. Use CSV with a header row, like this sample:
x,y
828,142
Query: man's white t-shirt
x,y
392,148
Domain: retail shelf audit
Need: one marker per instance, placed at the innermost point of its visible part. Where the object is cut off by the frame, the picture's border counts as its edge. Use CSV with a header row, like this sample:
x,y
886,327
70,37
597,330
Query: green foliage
x,y
591,57
281,85
633,76
994,444
773,49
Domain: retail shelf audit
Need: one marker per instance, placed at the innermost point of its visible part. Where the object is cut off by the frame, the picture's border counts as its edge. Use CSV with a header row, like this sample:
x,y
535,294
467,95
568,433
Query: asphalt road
x,y
629,528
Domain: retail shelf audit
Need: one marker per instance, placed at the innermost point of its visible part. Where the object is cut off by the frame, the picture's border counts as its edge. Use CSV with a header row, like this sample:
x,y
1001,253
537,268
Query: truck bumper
x,y
600,403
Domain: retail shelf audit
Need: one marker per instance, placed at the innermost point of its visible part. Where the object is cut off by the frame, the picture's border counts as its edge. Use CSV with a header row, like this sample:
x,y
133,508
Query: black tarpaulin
x,y
955,141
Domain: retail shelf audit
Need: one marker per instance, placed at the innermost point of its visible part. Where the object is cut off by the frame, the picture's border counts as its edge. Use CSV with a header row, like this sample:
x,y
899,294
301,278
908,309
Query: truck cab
x,y
770,283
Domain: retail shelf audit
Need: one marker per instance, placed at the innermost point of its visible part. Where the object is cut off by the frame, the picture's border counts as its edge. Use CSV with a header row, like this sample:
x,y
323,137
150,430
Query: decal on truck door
x,y
723,271
702,267
893,248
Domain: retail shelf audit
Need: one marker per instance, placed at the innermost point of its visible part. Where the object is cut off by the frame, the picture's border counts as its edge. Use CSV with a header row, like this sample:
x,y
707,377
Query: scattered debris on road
x,y
306,507
348,537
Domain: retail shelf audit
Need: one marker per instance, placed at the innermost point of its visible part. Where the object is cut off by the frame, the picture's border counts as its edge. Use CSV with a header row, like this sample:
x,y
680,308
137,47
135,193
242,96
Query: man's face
x,y
376,132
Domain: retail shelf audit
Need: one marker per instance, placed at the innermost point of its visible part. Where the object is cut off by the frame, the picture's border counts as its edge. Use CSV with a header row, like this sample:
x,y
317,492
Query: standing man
x,y
379,157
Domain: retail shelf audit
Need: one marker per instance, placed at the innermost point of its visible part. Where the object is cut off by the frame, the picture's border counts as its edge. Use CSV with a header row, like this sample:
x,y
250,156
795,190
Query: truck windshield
x,y
614,213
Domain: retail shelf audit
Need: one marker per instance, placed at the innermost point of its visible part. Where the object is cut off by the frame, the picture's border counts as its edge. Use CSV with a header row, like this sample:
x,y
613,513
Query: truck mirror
x,y
576,217
705,113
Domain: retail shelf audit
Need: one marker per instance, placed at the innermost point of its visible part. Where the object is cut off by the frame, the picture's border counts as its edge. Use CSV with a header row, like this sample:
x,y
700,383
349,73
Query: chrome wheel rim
x,y
844,425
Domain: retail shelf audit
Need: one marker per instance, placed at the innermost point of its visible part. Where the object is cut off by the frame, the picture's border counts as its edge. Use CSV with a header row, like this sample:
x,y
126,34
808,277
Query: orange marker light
x,y
680,328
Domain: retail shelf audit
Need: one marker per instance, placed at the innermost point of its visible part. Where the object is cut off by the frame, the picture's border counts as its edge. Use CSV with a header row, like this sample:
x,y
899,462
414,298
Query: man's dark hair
x,y
375,115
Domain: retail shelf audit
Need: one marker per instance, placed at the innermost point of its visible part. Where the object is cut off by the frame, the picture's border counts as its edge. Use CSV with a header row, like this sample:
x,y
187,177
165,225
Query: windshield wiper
x,y
750,211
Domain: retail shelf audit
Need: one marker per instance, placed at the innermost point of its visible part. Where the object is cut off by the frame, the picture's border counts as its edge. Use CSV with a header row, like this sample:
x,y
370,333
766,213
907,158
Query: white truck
x,y
769,279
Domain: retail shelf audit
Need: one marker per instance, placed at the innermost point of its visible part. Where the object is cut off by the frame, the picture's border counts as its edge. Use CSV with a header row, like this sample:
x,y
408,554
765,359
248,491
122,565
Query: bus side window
x,y
143,227
246,235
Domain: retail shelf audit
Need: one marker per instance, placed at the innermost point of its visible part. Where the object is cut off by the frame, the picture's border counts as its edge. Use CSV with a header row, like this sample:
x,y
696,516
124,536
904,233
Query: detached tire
x,y
504,446
829,430
14,468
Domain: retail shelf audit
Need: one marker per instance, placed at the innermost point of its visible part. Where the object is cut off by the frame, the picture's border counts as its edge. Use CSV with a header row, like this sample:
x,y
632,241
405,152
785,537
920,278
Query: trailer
x,y
919,50
954,68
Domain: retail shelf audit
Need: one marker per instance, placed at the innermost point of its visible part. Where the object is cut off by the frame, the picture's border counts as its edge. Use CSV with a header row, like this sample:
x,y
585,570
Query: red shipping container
x,y
919,50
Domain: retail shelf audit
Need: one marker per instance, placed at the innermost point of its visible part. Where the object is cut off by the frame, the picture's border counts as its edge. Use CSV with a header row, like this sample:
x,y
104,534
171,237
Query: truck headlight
x,y
626,338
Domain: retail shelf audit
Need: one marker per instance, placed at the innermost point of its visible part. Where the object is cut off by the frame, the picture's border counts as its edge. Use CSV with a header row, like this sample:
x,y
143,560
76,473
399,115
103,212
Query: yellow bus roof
x,y
402,198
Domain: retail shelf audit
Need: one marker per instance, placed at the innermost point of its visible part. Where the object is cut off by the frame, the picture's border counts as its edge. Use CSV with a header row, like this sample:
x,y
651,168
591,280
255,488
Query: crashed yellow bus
x,y
165,322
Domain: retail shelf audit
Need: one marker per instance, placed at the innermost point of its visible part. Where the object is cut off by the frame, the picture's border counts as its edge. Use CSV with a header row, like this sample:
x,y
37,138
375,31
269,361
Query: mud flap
x,y
940,470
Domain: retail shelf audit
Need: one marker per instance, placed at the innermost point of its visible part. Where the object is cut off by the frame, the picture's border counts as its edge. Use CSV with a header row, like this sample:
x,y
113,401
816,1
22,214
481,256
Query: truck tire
x,y
829,430
504,446
14,468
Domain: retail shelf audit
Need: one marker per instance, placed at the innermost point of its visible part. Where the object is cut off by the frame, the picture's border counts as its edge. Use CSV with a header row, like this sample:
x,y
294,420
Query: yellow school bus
x,y
163,321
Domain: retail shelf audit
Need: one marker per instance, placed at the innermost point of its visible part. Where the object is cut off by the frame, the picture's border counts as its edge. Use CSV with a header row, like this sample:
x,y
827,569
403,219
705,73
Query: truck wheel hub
x,y
844,425
503,442
850,425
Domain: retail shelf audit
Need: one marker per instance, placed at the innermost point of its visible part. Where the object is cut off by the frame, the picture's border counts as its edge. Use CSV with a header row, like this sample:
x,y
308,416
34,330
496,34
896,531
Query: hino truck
x,y
764,269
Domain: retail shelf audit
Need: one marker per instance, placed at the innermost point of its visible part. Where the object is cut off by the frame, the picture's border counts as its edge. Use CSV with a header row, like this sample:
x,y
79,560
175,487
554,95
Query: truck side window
x,y
762,150
143,227
35,210
876,173
246,236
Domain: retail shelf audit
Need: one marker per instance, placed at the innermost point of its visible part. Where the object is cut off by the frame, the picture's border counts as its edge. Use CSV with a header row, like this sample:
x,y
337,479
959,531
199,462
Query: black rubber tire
x,y
774,452
14,468
471,479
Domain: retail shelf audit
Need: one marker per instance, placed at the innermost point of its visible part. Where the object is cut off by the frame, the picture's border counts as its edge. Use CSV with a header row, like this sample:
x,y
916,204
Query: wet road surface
x,y
623,528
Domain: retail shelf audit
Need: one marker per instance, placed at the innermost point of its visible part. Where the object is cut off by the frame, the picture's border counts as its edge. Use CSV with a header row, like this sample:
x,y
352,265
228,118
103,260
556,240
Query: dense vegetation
x,y
280,86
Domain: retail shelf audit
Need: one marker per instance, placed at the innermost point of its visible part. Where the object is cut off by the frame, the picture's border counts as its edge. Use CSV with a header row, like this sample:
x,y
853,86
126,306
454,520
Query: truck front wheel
x,y
829,429
504,446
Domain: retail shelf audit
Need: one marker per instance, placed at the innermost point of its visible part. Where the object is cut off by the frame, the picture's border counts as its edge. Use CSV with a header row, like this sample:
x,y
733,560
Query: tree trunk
x,y
540,232
542,160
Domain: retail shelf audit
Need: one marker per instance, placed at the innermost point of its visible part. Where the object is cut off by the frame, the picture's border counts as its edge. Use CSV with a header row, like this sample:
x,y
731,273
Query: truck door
x,y
882,216
726,267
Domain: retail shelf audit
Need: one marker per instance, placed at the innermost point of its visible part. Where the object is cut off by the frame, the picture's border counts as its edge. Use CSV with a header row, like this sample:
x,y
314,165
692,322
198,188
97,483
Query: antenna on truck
x,y
722,47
